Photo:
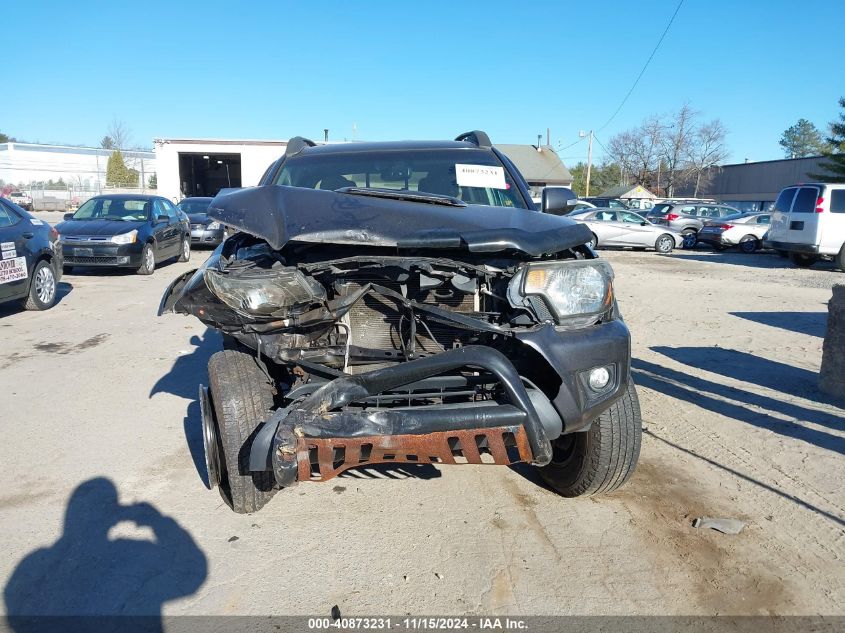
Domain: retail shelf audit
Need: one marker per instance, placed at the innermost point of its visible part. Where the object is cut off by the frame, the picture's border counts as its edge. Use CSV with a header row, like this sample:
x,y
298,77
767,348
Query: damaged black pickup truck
x,y
406,302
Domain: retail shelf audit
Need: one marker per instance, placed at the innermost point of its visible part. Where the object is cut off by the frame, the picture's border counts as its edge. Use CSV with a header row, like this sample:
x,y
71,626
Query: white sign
x,y
12,269
10,254
7,246
36,222
487,176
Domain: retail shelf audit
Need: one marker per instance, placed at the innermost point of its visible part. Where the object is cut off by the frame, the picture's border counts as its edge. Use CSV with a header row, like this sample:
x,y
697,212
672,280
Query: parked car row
x,y
113,231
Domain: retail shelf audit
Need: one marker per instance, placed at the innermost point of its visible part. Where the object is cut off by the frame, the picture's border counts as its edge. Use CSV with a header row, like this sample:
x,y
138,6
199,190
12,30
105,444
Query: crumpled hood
x,y
280,214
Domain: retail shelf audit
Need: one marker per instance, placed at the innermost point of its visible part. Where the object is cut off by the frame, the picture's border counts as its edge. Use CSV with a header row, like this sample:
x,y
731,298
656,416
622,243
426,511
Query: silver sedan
x,y
616,227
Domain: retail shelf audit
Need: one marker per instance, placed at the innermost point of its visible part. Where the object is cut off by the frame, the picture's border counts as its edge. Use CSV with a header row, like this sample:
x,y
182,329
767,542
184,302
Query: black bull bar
x,y
313,440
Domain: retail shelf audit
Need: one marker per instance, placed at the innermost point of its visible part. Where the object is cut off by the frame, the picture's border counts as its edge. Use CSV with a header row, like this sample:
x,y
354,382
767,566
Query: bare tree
x,y
638,151
706,150
677,138
119,133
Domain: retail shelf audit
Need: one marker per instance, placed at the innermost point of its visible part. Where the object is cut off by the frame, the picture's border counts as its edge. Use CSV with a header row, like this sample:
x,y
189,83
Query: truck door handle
x,y
27,235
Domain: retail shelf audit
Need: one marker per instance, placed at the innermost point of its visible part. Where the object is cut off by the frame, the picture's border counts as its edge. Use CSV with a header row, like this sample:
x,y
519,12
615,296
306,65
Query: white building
x,y
201,167
81,168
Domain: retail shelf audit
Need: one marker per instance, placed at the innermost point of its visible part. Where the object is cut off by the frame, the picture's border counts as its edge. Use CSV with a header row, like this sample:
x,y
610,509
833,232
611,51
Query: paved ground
x,y
103,503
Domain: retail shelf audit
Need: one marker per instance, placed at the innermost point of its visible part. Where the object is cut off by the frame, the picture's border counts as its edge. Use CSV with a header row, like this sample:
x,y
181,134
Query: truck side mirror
x,y
558,200
68,216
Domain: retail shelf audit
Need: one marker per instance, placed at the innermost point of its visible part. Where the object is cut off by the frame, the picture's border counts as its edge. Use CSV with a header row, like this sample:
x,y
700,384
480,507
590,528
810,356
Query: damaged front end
x,y
402,341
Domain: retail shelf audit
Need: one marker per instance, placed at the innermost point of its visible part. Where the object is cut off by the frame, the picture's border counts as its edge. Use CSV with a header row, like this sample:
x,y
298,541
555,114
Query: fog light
x,y
599,377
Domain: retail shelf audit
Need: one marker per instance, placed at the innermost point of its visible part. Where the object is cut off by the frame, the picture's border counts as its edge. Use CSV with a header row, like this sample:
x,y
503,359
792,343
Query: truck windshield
x,y
474,177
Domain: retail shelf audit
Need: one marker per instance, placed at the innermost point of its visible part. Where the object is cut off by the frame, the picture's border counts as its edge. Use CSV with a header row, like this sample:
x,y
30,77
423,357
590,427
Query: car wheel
x,y
594,241
42,288
664,244
601,459
749,244
802,260
840,259
242,400
148,261
185,252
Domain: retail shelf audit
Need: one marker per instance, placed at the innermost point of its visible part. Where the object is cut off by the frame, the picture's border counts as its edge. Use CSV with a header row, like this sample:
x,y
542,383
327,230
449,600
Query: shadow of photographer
x,y
91,578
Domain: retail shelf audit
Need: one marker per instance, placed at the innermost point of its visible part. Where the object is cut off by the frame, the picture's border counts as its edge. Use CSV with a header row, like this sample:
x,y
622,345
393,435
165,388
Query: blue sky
x,y
417,69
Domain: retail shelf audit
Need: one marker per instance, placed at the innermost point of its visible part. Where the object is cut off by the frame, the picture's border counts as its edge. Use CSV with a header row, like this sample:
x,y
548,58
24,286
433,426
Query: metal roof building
x,y
540,165
755,186
628,192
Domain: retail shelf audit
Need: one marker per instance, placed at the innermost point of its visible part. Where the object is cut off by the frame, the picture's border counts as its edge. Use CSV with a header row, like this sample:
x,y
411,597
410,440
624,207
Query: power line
x,y
560,149
642,72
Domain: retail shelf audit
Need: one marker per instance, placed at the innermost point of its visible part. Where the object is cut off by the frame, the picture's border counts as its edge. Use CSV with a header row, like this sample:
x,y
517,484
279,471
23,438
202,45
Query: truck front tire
x,y
601,459
242,398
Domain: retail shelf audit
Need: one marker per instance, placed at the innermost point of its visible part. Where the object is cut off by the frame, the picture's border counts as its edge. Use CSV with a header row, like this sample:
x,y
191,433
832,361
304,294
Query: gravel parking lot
x,y
99,392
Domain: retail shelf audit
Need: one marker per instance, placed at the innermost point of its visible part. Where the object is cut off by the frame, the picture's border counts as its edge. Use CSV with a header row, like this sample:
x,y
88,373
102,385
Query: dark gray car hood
x,y
281,214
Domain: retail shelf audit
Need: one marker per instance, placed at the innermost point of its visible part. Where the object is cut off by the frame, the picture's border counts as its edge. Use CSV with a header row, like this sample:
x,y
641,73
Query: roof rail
x,y
297,144
476,137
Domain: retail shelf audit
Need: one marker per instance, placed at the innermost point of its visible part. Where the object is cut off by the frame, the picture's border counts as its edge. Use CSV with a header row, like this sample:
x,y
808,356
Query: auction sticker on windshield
x,y
12,269
486,176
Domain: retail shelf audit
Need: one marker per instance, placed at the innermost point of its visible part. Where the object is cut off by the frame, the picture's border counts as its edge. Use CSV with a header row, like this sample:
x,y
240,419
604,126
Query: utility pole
x,y
539,138
589,163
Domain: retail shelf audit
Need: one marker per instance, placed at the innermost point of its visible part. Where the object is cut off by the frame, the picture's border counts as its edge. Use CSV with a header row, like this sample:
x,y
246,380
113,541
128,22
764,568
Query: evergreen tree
x,y
835,163
802,139
117,174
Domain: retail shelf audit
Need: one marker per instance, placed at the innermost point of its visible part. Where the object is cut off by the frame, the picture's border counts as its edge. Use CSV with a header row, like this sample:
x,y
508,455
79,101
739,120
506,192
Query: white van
x,y
808,223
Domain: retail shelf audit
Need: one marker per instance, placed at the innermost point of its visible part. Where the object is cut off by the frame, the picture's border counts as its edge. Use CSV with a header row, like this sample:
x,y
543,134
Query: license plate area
x,y
83,252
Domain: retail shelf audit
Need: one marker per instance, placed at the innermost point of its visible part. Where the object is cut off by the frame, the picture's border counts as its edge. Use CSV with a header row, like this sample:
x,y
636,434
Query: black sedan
x,y
31,259
204,230
125,231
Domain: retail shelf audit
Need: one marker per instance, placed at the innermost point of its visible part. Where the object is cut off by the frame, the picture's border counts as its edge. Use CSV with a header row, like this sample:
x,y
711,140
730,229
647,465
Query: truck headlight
x,y
125,238
574,293
265,292
212,226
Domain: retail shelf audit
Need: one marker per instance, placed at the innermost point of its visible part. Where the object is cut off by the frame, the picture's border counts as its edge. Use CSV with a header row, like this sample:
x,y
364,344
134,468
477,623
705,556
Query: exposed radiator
x,y
375,320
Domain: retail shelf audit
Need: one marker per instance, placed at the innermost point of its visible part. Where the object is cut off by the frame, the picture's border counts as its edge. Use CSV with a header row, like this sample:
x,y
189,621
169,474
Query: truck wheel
x,y
42,288
840,259
602,459
594,241
802,260
242,399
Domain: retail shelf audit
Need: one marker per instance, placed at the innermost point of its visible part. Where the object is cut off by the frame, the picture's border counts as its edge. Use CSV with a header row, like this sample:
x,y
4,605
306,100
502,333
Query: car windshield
x,y
128,209
197,218
189,205
660,209
472,176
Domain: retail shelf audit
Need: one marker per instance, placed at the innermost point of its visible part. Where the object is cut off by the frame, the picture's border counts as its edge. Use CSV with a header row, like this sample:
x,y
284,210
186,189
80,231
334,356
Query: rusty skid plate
x,y
322,459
